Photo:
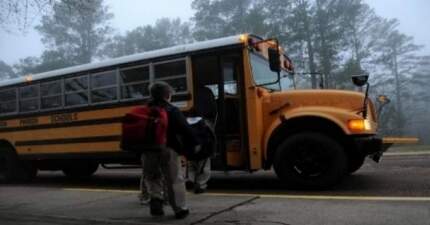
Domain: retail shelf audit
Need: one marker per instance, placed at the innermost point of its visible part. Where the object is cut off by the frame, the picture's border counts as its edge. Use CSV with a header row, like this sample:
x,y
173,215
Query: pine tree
x,y
6,71
397,54
165,33
219,18
76,29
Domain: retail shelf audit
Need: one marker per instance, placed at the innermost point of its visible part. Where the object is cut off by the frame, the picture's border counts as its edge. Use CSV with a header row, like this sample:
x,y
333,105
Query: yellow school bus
x,y
70,119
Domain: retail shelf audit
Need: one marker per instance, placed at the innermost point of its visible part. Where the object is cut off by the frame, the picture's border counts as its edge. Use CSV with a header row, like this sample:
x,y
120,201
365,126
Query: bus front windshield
x,y
262,73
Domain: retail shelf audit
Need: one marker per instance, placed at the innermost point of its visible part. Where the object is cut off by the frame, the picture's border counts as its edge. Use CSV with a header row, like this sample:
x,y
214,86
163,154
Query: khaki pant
x,y
199,172
163,171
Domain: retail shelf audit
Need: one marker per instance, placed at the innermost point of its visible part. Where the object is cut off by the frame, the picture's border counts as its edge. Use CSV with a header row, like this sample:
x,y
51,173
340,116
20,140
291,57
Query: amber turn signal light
x,y
359,125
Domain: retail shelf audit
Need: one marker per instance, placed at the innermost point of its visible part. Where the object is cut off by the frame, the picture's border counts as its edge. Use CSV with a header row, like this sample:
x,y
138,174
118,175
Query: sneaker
x,y
156,207
144,199
182,213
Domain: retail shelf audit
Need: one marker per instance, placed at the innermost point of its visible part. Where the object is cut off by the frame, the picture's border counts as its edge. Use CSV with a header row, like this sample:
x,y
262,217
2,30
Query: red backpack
x,y
144,128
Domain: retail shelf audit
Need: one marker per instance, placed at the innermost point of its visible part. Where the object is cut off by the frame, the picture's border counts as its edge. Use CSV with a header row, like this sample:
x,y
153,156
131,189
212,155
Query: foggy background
x,y
389,39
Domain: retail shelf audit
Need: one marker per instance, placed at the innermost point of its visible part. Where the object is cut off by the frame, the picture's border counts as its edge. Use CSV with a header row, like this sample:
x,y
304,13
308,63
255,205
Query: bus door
x,y
218,97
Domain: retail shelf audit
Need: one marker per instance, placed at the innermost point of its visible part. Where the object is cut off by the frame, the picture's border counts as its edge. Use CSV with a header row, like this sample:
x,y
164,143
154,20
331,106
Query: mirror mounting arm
x,y
366,97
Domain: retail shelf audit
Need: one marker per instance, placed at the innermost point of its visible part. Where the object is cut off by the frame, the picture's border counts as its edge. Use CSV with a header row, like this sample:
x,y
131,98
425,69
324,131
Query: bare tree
x,y
20,14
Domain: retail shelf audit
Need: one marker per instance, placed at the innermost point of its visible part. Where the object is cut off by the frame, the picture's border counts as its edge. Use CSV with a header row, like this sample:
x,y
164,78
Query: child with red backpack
x,y
154,129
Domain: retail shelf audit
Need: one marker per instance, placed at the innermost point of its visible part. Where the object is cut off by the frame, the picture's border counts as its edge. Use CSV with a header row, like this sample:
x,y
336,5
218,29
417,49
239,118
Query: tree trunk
x,y
398,93
309,45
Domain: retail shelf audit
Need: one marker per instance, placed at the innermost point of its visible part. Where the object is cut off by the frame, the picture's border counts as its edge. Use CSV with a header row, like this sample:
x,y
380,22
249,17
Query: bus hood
x,y
350,101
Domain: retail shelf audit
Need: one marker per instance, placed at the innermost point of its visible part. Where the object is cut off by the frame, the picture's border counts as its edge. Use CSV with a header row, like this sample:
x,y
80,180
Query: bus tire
x,y
310,160
14,169
355,162
80,169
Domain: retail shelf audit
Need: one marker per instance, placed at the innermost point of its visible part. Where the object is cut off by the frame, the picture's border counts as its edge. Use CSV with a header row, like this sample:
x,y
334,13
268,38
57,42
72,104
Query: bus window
x,y
103,87
8,101
29,98
179,84
76,91
134,82
51,95
173,73
230,78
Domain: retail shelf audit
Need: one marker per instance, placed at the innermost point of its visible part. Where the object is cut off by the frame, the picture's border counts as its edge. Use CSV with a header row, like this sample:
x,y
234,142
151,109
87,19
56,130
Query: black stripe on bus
x,y
62,125
175,98
68,140
112,156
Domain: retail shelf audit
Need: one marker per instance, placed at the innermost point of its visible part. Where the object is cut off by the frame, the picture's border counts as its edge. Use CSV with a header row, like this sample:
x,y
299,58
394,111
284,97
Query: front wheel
x,y
355,162
310,160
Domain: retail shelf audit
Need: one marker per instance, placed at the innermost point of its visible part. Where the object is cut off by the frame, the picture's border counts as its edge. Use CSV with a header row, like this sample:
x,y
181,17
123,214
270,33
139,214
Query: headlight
x,y
359,125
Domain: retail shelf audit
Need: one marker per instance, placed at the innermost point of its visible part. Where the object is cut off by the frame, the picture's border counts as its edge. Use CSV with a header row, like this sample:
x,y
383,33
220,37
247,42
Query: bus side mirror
x,y
360,80
274,60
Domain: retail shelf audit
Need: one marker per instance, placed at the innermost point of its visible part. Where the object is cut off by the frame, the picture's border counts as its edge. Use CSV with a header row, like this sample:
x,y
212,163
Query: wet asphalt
x,y
395,191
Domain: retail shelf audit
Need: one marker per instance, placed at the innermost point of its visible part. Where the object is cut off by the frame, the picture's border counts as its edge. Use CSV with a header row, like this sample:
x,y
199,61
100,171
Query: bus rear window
x,y
104,87
103,95
50,88
74,99
76,91
51,95
174,73
8,101
179,84
134,75
135,90
29,105
31,91
29,98
103,79
135,82
76,84
170,69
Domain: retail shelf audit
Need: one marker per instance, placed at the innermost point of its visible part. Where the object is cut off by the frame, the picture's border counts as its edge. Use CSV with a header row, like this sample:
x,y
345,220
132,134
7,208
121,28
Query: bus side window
x,y
51,95
134,82
76,89
8,100
104,87
230,78
29,98
174,73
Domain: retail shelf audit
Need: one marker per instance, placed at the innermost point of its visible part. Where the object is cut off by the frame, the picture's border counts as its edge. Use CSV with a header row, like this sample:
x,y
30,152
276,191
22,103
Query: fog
x,y
388,39
129,14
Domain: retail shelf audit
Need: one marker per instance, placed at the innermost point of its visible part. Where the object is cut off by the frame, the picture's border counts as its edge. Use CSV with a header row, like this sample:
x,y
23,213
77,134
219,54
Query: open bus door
x,y
218,97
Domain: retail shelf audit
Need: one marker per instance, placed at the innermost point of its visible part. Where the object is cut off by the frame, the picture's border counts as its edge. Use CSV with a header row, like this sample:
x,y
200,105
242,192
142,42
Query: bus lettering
x,y
28,121
3,124
64,118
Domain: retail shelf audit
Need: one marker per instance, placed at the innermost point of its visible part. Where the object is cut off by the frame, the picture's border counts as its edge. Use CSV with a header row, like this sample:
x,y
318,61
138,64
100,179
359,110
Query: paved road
x,y
396,191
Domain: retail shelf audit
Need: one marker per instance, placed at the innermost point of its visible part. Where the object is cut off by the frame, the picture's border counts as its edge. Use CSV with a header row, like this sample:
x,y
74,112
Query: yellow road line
x,y
281,196
407,153
330,197
101,190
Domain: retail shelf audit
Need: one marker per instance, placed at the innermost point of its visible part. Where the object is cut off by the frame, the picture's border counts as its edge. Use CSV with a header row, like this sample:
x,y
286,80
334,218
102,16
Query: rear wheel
x,y
310,160
80,169
14,169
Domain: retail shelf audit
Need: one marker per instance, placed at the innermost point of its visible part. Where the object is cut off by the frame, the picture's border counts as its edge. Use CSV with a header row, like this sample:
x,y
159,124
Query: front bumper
x,y
374,147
